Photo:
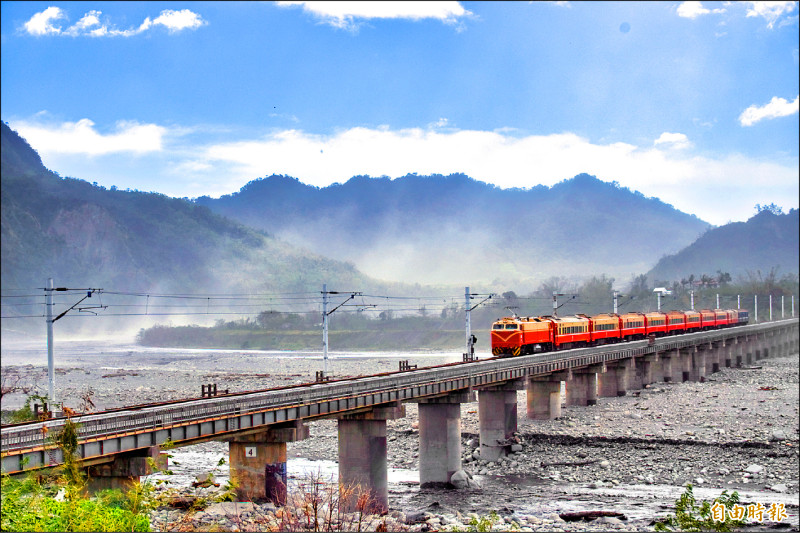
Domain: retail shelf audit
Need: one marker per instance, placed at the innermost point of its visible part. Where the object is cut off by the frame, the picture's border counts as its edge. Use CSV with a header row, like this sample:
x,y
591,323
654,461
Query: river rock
x,y
460,480
780,487
754,469
778,435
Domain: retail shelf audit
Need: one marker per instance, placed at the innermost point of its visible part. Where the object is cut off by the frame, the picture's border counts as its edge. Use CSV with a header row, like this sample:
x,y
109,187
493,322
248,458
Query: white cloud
x,y
179,20
777,107
91,24
81,137
677,141
346,14
508,160
692,10
770,11
41,23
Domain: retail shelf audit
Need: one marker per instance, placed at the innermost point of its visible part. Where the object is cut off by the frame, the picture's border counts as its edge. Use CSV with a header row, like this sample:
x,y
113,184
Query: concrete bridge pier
x,y
669,360
728,356
607,382
362,457
686,358
635,376
783,347
124,471
749,351
741,352
543,397
614,381
713,356
582,388
440,438
258,462
698,369
650,364
497,413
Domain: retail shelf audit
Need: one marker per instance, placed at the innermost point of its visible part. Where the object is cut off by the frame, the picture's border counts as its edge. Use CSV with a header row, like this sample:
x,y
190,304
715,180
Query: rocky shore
x,y
626,458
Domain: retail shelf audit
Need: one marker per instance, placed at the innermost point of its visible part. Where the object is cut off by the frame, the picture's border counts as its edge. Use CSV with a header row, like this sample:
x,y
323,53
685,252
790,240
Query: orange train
x,y
512,336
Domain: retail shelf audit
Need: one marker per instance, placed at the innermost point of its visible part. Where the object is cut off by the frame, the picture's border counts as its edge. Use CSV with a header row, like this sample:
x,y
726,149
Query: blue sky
x,y
692,102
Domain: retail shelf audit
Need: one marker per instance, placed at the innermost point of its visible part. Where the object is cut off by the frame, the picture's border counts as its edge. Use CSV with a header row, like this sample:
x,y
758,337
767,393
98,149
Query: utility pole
x,y
468,323
325,330
616,298
792,305
467,308
738,301
555,303
782,314
755,304
770,307
51,373
325,315
691,294
717,301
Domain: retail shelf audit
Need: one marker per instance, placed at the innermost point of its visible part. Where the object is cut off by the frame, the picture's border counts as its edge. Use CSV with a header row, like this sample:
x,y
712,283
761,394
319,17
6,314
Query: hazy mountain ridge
x,y
84,235
456,229
764,241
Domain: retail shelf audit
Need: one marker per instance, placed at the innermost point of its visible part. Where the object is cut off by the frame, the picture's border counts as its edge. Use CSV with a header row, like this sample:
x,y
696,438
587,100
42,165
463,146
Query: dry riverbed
x,y
633,455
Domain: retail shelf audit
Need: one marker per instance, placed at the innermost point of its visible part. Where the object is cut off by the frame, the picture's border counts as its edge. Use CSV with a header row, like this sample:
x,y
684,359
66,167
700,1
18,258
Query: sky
x,y
695,103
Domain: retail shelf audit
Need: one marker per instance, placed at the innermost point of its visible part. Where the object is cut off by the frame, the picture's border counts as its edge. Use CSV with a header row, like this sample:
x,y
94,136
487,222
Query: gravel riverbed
x,y
631,455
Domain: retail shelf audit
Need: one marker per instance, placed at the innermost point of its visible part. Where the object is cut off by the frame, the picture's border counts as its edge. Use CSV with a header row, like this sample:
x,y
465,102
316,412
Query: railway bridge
x,y
115,445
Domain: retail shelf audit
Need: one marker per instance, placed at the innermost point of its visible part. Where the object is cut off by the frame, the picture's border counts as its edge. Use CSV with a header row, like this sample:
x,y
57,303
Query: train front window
x,y
511,326
497,326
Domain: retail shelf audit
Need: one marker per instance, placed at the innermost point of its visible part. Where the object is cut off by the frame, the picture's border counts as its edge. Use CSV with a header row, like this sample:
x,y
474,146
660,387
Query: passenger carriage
x,y
676,322
571,331
708,319
692,320
656,324
633,326
605,328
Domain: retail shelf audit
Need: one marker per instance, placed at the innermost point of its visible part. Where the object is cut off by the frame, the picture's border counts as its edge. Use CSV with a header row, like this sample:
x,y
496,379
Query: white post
x,y
691,294
555,303
659,300
792,305
755,304
770,308
738,301
51,374
616,296
717,301
325,329
468,325
782,314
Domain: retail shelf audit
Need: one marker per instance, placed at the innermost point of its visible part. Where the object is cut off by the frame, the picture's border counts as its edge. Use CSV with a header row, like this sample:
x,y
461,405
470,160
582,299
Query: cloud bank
x,y
349,15
664,167
81,137
91,24
773,12
776,108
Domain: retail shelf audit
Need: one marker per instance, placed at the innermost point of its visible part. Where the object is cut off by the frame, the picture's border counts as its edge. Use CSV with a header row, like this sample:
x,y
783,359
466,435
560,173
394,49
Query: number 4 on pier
x,y
249,451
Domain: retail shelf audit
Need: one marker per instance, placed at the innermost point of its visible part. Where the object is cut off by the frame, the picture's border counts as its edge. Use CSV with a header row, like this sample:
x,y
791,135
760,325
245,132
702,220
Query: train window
x,y
511,326
497,326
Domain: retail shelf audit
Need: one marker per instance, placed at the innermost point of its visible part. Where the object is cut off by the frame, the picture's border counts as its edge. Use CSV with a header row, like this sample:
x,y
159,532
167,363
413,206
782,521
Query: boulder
x,y
460,480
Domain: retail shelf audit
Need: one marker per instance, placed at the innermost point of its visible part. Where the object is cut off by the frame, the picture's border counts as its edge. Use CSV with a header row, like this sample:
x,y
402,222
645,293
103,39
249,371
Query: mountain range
x,y
454,229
